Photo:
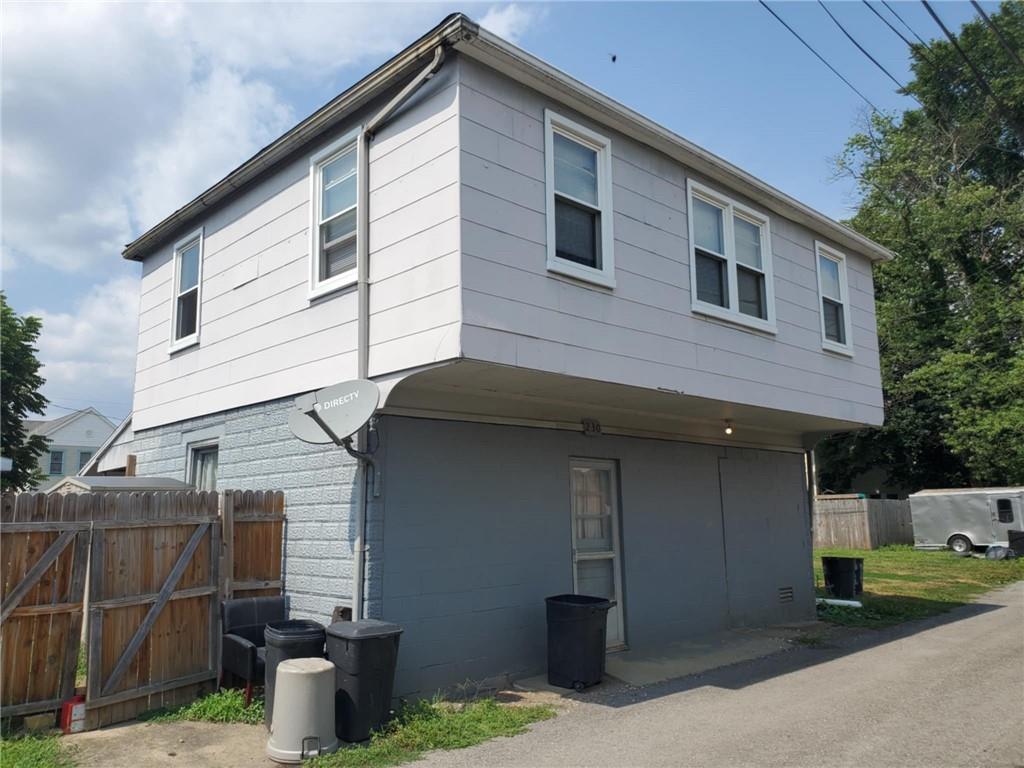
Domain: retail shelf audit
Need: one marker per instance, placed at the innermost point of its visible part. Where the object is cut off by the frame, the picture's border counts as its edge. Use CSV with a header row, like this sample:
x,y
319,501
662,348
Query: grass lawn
x,y
34,752
224,706
426,726
902,583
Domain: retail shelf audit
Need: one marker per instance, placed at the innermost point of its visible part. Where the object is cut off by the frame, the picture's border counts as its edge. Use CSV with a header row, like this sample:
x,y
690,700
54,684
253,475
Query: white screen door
x,y
595,538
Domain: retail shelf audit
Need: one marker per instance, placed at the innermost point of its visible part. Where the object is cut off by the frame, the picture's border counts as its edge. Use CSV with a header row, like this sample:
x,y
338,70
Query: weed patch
x,y
35,752
224,706
427,726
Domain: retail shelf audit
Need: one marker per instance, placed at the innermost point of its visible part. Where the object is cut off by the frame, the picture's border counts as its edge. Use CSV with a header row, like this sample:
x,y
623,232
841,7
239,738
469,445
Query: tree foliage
x,y
19,395
943,187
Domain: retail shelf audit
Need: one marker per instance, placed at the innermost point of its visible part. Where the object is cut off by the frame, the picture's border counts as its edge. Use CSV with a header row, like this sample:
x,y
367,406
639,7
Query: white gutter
x,y
367,466
516,63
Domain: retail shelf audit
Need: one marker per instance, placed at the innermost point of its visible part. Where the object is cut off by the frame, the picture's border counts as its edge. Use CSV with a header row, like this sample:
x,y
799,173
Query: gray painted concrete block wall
x,y
256,451
477,533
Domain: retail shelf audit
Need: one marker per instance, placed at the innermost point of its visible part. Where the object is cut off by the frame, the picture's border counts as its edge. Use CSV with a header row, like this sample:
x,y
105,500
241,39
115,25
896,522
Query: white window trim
x,y
317,287
191,340
62,455
730,208
605,276
821,249
190,455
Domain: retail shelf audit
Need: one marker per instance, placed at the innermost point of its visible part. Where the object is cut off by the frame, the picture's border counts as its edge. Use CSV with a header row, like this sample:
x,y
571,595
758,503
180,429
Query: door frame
x,y
616,523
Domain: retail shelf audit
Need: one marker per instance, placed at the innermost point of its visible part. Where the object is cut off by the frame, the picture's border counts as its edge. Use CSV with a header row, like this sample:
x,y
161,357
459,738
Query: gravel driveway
x,y
947,691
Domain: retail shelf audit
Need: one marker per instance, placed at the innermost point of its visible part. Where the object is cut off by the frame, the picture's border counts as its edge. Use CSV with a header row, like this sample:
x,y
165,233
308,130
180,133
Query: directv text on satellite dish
x,y
337,401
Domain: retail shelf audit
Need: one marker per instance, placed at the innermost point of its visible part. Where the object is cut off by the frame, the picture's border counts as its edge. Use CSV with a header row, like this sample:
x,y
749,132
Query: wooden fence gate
x,y
159,563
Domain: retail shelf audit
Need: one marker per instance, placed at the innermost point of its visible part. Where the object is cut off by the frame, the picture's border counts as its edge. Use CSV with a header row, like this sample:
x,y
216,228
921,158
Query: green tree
x,y
943,187
19,395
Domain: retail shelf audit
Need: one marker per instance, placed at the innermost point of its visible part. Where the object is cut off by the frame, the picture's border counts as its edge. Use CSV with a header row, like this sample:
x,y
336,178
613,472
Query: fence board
x,y
853,522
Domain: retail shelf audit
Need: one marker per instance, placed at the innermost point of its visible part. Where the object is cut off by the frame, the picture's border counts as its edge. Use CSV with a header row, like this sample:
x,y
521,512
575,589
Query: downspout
x,y
367,466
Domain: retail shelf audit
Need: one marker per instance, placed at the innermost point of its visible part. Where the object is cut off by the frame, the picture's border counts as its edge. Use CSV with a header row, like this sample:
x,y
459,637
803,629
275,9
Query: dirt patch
x,y
172,745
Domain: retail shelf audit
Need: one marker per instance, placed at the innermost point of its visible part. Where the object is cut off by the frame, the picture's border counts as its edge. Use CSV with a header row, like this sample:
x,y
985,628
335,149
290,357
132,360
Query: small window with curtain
x,y
1004,509
203,470
56,462
834,297
334,176
188,276
579,226
730,260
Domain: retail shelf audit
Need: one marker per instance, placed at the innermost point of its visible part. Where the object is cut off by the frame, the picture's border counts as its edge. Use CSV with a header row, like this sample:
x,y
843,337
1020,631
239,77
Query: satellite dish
x,y
340,411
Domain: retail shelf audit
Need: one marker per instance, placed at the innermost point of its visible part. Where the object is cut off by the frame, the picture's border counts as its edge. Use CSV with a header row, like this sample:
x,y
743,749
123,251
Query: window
x,y
334,174
203,467
1004,509
188,278
83,459
579,201
834,297
730,260
56,462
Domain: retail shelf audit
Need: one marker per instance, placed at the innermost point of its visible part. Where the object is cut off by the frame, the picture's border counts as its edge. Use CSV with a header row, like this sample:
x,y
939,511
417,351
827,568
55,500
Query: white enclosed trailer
x,y
964,518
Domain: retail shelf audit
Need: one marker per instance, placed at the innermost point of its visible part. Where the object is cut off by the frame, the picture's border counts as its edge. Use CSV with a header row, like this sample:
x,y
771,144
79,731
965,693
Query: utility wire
x,y
999,33
888,23
904,23
982,83
820,57
117,419
864,50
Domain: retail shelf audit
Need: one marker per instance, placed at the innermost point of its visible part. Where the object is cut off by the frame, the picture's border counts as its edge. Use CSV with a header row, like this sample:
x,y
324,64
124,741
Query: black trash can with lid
x,y
292,639
844,576
577,630
364,654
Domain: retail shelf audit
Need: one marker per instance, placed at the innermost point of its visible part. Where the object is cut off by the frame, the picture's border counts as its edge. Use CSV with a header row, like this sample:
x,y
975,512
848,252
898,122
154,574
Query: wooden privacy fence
x,y
155,562
857,523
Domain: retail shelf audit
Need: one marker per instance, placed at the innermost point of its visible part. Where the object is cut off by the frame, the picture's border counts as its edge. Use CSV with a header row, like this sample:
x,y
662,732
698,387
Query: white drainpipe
x,y
363,300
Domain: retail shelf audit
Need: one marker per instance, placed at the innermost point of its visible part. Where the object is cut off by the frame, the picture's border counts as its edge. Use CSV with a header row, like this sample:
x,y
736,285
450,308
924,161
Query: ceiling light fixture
x,y
728,427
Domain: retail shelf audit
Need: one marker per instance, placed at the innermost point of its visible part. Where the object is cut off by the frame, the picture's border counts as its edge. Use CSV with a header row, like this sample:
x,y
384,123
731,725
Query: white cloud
x,y
511,21
88,353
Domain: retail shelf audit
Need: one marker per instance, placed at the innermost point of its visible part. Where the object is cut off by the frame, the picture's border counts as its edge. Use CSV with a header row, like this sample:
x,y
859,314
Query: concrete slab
x,y
645,666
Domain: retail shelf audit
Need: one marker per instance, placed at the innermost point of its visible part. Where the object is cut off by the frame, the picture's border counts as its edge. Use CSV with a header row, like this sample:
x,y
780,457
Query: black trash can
x,y
577,630
364,654
844,576
292,639
1016,542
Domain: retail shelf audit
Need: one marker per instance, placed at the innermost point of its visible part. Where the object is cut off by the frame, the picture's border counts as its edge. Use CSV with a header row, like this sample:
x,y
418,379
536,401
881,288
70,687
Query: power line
x,y
982,83
117,419
904,23
820,57
864,50
999,33
888,23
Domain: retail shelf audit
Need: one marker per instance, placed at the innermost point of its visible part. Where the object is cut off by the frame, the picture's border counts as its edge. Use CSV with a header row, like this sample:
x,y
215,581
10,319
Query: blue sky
x,y
147,105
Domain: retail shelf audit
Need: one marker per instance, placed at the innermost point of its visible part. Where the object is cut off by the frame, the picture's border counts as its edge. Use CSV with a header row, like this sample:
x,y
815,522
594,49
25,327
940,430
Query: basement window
x,y
579,201
188,279
730,260
833,292
334,176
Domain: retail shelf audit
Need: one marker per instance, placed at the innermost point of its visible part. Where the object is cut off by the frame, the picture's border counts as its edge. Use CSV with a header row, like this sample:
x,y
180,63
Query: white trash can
x,y
303,721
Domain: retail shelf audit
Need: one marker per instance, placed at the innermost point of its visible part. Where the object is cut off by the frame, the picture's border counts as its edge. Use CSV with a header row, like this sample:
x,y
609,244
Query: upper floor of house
x,y
72,441
516,218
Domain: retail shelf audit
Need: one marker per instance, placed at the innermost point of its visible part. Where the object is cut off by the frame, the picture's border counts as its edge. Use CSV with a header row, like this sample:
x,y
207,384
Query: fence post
x,y
227,564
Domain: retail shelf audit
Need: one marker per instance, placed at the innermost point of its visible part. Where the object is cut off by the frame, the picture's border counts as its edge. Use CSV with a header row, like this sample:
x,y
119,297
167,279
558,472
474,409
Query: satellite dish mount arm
x,y
363,457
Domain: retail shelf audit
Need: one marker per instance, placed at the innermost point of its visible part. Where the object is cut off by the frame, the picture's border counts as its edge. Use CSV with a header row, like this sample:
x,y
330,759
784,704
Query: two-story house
x,y
603,353
72,440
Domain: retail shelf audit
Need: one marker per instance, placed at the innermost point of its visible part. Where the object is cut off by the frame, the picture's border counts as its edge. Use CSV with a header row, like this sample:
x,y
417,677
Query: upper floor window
x,y
56,462
334,174
579,201
188,278
730,260
833,295
83,459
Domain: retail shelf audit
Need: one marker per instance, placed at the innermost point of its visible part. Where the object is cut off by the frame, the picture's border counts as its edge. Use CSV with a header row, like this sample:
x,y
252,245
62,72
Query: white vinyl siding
x,y
579,201
730,260
187,287
833,300
334,192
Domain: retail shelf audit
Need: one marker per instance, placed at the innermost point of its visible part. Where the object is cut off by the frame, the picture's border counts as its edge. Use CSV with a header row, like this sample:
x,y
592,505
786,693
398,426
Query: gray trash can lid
x,y
363,629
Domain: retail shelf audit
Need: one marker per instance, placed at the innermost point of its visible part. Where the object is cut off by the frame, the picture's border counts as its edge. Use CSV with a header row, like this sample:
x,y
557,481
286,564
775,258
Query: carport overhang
x,y
470,390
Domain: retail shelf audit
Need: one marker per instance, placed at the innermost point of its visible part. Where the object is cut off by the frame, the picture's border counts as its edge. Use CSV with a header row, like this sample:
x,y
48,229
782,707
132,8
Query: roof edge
x,y
449,31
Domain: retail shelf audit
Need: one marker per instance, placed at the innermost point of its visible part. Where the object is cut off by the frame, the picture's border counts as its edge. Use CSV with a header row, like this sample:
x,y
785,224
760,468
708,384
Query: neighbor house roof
x,y
49,426
98,483
461,33
98,454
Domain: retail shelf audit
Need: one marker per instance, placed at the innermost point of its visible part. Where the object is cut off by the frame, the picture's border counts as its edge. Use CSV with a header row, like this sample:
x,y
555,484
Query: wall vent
x,y
785,594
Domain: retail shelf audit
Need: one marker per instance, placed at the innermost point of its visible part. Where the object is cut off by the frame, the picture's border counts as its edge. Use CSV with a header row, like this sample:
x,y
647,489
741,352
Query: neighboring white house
x,y
73,440
603,354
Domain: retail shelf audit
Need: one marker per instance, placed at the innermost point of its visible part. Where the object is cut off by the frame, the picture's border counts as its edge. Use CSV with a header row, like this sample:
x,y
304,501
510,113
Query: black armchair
x,y
242,647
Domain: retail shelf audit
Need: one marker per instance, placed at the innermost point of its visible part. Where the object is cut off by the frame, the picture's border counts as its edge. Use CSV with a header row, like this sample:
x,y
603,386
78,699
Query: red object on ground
x,y
72,715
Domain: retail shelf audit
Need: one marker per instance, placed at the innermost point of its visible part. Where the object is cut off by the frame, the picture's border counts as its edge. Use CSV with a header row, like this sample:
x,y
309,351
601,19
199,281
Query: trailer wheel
x,y
960,544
